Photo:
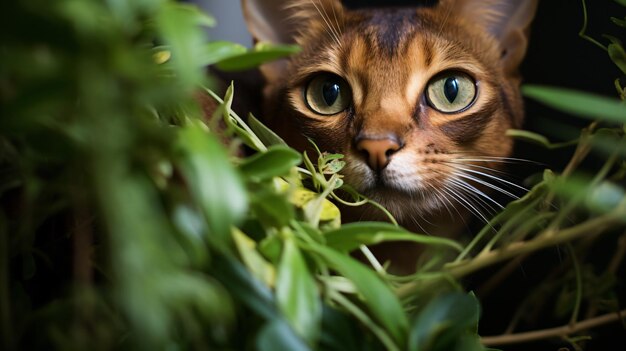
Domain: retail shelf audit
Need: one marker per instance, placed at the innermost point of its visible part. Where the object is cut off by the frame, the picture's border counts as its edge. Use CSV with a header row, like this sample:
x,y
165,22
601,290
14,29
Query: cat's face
x,y
417,99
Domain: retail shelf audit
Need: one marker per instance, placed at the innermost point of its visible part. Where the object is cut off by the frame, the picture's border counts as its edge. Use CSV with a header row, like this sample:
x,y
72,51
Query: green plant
x,y
129,221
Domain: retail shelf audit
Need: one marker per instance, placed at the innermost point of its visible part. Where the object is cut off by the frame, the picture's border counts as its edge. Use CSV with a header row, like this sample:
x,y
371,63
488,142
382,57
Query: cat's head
x,y
418,99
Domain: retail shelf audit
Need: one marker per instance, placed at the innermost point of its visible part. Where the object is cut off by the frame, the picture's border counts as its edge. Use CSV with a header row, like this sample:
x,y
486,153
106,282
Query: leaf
x,y
381,301
621,2
235,123
618,56
257,265
179,25
276,161
214,184
244,287
220,50
267,136
262,52
339,332
271,209
350,236
445,322
302,196
578,103
537,139
619,22
277,336
297,293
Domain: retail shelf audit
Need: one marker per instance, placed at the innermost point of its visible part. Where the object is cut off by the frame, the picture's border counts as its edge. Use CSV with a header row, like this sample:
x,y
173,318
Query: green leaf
x,y
257,265
578,103
444,324
261,53
297,293
277,336
212,180
267,136
350,236
235,123
179,25
619,22
276,161
220,50
381,301
537,139
618,56
621,2
272,209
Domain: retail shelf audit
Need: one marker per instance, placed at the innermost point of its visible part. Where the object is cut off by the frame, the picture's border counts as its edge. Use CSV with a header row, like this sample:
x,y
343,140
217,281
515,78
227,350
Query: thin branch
x,y
584,35
562,331
545,239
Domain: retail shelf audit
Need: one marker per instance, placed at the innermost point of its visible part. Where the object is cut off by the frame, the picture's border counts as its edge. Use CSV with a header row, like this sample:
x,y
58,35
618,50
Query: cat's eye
x,y
327,94
451,92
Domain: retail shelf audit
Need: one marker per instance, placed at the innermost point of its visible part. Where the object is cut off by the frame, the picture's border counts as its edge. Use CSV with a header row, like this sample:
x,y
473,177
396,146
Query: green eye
x,y
327,94
451,92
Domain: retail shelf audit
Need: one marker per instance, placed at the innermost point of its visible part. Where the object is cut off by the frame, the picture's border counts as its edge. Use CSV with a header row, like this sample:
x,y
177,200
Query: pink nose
x,y
377,152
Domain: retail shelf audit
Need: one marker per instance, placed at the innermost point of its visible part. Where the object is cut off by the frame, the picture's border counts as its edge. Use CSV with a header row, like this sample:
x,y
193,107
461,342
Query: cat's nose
x,y
377,152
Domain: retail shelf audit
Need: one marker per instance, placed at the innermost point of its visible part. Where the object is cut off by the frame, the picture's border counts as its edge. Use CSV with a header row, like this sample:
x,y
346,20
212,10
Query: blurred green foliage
x,y
127,222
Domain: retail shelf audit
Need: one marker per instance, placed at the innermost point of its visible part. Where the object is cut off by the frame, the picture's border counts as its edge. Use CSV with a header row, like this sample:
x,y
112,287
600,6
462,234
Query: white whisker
x,y
477,191
492,177
329,27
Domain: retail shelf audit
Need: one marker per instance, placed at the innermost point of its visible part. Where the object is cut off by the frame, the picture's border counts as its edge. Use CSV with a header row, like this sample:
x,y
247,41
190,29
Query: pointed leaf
x,y
267,136
444,322
261,53
277,336
350,236
381,301
578,103
220,50
276,161
215,185
297,293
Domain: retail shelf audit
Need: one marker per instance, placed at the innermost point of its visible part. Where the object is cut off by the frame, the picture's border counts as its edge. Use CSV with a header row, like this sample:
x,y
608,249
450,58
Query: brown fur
x,y
388,56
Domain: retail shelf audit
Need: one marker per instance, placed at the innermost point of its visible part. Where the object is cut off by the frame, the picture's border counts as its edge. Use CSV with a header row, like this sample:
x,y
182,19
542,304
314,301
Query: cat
x,y
418,98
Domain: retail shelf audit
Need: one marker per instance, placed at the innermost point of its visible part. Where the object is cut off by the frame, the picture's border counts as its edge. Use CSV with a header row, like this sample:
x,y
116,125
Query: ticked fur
x,y
445,163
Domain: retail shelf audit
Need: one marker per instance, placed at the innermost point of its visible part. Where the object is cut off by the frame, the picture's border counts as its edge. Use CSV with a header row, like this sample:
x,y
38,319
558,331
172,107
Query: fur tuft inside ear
x,y
285,22
282,21
506,20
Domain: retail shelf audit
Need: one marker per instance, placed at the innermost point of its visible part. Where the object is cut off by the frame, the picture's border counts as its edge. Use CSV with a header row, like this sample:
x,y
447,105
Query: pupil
x,y
451,89
330,92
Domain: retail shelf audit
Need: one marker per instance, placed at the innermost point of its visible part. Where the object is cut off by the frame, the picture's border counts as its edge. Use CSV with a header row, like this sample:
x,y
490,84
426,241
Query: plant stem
x,y
380,333
579,284
543,240
582,33
562,331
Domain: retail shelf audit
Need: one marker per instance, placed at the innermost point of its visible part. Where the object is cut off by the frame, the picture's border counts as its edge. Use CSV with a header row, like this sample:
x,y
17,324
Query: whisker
x,y
477,191
492,186
329,27
492,177
471,208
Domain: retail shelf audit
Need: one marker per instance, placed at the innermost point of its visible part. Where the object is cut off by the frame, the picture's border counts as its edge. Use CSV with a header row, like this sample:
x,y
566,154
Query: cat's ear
x,y
507,20
269,20
285,22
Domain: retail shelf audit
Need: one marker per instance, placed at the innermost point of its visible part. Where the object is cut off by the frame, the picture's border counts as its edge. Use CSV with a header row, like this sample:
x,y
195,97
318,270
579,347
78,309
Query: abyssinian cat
x,y
418,99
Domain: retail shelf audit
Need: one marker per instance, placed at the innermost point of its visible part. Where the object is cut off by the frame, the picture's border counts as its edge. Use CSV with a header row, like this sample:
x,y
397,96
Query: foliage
x,y
127,221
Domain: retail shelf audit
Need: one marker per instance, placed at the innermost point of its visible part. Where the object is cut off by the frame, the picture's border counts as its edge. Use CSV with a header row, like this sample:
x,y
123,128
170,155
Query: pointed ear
x,y
287,22
269,20
506,20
